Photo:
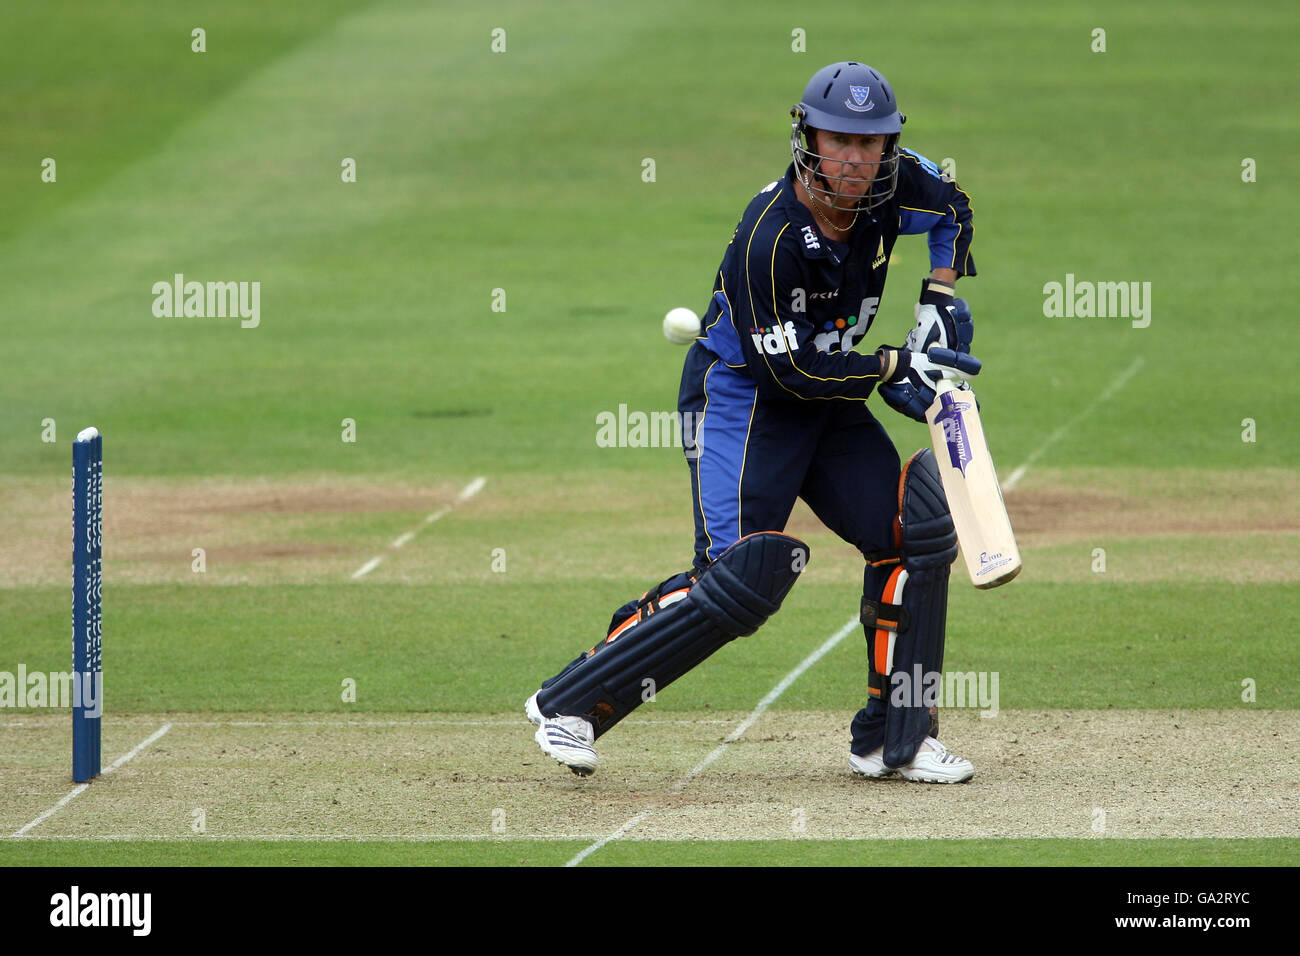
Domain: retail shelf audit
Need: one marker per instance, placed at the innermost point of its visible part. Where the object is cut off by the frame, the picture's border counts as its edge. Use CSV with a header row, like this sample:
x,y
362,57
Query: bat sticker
x,y
954,433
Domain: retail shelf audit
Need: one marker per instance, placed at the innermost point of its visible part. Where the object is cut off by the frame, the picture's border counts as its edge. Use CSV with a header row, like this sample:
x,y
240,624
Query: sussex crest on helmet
x,y
858,97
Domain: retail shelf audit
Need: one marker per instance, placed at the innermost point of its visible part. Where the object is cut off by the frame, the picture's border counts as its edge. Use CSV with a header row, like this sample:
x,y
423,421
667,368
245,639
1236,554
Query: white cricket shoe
x,y
933,763
567,739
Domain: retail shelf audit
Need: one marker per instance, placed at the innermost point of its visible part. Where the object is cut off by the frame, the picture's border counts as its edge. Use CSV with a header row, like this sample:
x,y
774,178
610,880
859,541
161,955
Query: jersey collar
x,y
801,218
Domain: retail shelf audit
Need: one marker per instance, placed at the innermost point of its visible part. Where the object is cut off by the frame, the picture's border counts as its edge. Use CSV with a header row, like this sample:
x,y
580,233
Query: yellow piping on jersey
x,y
965,266
951,182
964,270
731,313
722,286
955,222
956,238
776,312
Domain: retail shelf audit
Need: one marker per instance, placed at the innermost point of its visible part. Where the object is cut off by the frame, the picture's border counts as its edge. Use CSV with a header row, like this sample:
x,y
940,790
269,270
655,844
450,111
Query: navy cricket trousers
x,y
752,457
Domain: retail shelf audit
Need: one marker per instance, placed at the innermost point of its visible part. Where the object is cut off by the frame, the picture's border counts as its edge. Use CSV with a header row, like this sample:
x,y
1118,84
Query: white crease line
x,y
732,737
441,837
511,723
770,699
67,798
81,787
1056,436
303,837
473,488
613,836
466,493
367,567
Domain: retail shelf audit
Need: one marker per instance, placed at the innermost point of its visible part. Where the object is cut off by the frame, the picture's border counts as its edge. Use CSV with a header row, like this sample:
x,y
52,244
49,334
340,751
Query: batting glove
x,y
941,320
910,376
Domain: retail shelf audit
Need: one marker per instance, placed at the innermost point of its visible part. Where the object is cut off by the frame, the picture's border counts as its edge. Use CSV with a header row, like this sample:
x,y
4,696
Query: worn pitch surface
x,y
1132,774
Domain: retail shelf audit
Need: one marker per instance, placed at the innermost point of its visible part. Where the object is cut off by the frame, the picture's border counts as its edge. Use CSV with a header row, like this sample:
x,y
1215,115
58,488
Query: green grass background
x,y
467,649
971,853
522,171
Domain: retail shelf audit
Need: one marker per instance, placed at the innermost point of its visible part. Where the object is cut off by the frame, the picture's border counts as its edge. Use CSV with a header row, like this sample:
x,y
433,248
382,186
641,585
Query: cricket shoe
x,y
567,739
933,763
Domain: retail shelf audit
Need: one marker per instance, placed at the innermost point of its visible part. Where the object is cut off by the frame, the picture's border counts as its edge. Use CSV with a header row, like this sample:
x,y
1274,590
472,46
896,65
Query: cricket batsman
x,y
775,402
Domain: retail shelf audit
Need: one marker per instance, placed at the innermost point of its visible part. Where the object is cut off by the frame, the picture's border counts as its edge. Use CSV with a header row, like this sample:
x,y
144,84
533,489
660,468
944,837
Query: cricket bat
x,y
971,485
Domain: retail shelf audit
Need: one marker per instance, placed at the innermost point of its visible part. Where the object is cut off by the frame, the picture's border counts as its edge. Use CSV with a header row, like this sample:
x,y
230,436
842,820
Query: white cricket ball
x,y
681,326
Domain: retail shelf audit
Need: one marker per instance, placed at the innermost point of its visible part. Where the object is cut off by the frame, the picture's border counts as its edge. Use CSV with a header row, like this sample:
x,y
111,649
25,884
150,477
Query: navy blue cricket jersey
x,y
776,348
789,304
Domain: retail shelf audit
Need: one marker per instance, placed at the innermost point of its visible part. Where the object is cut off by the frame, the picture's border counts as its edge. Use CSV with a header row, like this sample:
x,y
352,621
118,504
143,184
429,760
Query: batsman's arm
x,y
931,202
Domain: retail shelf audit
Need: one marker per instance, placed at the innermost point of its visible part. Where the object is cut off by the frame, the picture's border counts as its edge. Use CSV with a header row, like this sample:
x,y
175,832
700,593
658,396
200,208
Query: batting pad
x,y
733,597
906,624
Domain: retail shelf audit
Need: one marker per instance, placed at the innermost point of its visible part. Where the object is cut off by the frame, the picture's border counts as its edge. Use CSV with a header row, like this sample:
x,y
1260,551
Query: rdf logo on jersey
x,y
776,339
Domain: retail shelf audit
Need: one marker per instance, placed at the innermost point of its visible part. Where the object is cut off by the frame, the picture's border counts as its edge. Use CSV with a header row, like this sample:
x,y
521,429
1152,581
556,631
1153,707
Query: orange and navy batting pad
x,y
658,643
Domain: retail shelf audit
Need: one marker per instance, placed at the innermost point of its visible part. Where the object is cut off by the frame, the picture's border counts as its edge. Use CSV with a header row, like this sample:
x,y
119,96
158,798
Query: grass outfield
x,y
490,284
288,649
377,296
978,853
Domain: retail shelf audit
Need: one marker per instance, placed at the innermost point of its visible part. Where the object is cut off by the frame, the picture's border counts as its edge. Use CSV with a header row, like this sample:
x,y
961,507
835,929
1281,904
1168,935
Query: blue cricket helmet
x,y
848,98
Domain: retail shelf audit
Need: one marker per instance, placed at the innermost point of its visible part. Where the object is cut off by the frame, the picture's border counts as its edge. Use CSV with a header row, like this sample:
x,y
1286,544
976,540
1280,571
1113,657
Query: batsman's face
x,y
850,160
